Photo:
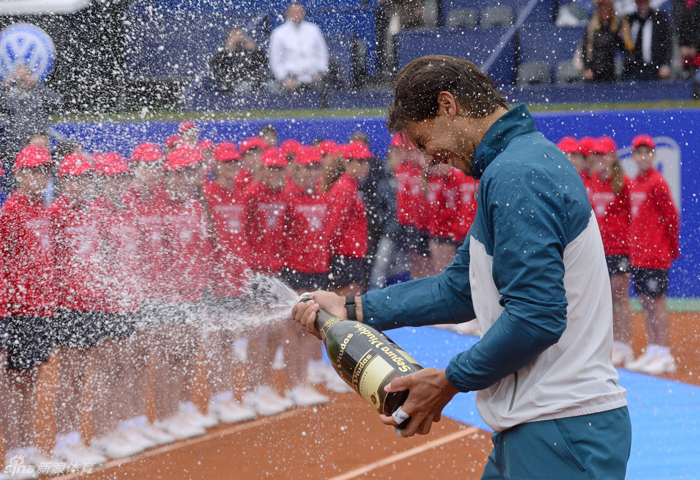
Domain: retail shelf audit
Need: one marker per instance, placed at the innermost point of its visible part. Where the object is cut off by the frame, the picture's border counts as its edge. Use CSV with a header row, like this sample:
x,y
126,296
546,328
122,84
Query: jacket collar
x,y
514,123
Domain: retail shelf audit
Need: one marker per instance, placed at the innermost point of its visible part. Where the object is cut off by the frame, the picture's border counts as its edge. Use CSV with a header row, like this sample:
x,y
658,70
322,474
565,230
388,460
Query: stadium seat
x,y
567,73
462,17
498,16
534,73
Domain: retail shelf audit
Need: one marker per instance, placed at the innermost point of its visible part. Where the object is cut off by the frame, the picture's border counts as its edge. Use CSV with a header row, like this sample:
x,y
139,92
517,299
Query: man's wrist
x,y
358,307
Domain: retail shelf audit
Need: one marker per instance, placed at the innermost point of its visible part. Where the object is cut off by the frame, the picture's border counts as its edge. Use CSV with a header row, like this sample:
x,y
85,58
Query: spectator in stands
x,y
298,52
392,16
650,44
601,40
27,105
688,25
240,65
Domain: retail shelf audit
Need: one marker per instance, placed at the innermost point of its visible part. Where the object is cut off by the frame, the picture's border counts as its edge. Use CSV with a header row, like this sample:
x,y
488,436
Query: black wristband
x,y
351,307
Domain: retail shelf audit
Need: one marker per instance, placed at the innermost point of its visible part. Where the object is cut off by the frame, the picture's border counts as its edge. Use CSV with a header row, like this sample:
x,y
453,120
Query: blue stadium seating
x,y
547,43
471,44
544,12
173,39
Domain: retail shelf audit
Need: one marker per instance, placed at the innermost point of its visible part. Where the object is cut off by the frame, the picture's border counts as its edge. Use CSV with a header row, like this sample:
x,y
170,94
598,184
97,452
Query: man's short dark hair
x,y
419,83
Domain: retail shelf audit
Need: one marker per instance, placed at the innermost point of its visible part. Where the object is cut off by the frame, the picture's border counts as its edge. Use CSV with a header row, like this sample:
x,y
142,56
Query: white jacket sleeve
x,y
278,57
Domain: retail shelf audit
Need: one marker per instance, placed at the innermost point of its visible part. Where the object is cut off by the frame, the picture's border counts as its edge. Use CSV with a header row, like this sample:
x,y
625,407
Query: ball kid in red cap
x,y
252,149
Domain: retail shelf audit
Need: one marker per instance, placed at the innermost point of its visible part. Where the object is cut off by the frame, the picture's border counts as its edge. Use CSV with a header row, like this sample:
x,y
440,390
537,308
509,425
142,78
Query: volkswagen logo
x,y
25,44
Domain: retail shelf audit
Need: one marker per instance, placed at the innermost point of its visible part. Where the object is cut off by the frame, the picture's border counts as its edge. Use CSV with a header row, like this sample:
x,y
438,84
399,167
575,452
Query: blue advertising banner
x,y
675,131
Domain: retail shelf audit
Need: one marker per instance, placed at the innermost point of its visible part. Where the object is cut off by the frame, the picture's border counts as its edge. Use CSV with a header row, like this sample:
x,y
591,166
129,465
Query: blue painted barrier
x,y
675,128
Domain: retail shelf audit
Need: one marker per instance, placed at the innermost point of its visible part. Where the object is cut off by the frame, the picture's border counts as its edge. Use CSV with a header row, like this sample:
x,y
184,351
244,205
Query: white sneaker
x,y
337,385
135,436
638,364
117,445
80,456
159,437
231,412
273,396
261,404
179,429
45,465
197,419
317,373
305,396
661,364
622,354
18,466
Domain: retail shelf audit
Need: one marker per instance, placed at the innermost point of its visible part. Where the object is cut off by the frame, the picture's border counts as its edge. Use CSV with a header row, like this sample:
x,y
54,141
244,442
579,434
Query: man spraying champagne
x,y
532,271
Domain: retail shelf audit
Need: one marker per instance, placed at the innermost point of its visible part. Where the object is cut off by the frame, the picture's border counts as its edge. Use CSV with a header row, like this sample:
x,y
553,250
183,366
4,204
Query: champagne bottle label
x,y
368,380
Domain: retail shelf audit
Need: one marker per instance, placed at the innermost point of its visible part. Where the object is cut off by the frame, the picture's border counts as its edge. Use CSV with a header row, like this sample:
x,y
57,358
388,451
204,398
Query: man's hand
x,y
430,391
305,312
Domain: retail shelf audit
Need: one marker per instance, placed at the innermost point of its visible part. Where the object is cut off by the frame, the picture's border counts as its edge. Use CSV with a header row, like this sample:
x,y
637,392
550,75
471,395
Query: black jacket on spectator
x,y
232,67
688,22
661,46
27,112
606,43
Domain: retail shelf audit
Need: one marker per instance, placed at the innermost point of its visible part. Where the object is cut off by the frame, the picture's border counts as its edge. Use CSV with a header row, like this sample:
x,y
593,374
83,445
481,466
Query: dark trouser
x,y
584,447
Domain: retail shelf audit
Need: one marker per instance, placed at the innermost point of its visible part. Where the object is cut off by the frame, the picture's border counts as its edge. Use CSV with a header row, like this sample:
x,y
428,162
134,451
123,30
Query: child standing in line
x,y
653,242
75,227
28,303
610,198
230,265
266,206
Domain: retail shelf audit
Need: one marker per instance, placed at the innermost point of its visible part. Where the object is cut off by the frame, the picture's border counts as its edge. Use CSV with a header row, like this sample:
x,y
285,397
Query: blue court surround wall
x,y
665,414
682,125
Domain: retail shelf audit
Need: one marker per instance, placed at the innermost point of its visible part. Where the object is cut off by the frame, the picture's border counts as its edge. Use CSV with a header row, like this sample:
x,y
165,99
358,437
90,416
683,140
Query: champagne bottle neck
x,y
323,319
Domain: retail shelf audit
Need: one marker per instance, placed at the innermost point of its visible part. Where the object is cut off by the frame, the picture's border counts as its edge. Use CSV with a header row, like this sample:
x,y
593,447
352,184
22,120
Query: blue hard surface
x,y
665,414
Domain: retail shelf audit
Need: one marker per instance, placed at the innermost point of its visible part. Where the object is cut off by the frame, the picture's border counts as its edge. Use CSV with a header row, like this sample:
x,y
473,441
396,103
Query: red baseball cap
x,y
273,157
186,125
75,164
226,152
206,144
182,157
588,145
356,151
569,145
172,141
253,142
31,156
111,164
643,140
290,146
329,147
400,141
147,152
606,145
308,156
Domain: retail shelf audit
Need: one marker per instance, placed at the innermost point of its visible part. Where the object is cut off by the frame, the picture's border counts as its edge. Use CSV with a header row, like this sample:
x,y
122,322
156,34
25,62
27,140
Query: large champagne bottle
x,y
367,360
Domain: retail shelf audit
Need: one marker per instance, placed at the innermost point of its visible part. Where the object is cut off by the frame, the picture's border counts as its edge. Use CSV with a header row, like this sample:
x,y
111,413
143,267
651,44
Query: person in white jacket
x,y
298,52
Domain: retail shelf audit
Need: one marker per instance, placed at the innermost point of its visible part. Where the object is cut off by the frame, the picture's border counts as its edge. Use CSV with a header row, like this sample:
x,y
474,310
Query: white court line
x,y
186,443
408,453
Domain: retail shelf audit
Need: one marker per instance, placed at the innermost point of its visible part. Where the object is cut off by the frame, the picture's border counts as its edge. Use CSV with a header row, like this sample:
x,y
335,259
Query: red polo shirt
x,y
306,240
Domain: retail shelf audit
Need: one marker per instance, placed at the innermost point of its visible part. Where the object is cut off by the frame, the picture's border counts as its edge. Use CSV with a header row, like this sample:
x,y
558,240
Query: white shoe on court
x,y
638,364
179,429
305,396
78,455
336,384
117,445
661,364
231,412
158,436
622,354
199,420
45,465
317,372
135,436
273,396
262,404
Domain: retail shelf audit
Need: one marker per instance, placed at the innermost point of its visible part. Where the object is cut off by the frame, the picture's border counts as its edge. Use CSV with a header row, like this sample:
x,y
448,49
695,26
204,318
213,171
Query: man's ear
x,y
447,105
